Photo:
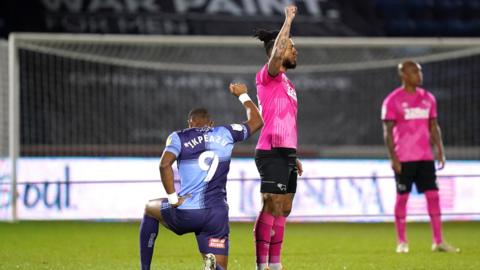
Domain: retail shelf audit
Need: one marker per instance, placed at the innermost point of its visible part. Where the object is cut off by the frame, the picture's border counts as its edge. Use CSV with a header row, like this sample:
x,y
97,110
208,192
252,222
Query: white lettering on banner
x,y
416,113
56,5
144,24
113,5
223,6
183,6
141,16
55,188
313,7
248,7
270,6
333,84
76,6
192,81
137,5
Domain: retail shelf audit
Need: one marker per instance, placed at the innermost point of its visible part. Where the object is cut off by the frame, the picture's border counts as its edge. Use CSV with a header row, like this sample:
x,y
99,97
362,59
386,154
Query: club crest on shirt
x,y
426,102
169,141
401,187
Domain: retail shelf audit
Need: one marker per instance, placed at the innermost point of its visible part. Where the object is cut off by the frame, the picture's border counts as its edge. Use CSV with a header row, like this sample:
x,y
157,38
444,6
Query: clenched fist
x,y
290,12
237,89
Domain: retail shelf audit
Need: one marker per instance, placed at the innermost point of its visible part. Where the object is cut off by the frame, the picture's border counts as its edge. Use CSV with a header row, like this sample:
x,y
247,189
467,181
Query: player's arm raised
x,y
436,139
254,118
281,42
388,138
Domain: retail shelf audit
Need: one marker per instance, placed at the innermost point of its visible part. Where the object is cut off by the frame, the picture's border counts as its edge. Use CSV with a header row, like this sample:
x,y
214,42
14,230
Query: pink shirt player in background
x,y
410,126
275,155
277,99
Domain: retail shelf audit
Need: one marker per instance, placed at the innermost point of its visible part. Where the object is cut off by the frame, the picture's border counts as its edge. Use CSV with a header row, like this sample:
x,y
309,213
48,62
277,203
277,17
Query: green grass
x,y
85,245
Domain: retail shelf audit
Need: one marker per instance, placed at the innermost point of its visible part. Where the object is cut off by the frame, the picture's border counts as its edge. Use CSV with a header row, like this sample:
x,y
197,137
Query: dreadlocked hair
x,y
267,37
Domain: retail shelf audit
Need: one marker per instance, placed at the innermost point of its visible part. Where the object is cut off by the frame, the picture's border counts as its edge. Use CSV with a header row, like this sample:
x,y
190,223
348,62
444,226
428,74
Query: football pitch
x,y
102,245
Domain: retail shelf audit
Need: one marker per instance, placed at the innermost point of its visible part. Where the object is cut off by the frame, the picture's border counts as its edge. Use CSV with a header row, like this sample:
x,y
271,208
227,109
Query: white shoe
x,y
262,266
276,266
402,248
444,247
210,263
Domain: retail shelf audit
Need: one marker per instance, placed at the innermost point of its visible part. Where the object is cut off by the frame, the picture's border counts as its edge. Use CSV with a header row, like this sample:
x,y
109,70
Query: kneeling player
x,y
203,155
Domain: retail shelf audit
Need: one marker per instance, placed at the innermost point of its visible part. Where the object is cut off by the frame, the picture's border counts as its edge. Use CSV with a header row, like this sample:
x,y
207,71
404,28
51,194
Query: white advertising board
x,y
335,190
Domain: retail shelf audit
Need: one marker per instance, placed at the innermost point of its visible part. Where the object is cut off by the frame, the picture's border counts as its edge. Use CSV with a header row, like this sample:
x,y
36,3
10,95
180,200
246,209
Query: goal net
x,y
114,95
105,95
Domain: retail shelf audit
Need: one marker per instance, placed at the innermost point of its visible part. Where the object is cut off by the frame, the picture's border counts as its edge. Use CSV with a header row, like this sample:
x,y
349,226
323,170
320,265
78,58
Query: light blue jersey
x,y
203,160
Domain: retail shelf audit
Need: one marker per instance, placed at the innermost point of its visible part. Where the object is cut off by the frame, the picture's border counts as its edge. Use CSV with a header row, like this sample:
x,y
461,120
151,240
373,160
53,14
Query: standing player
x,y
203,156
410,124
275,156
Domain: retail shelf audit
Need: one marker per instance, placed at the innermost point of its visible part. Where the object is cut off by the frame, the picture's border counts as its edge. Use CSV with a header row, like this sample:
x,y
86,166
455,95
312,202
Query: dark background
x,y
337,109
219,17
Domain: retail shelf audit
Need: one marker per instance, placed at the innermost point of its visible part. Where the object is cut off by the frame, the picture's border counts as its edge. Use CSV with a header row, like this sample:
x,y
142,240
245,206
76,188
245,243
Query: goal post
x,y
14,119
8,156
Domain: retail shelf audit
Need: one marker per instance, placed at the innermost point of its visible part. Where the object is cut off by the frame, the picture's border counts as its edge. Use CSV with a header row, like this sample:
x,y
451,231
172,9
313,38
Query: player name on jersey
x,y
205,138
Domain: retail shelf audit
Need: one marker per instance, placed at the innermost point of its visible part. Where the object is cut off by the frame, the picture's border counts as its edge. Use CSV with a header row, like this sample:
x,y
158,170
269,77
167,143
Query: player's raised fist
x,y
238,88
290,12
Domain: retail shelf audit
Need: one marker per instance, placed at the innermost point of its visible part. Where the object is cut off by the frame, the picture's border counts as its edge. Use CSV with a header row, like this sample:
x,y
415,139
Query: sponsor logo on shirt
x,y
216,243
416,113
290,91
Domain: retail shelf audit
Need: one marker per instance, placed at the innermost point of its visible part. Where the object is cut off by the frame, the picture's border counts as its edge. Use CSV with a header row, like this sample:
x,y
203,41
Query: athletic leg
x,y
149,231
401,216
